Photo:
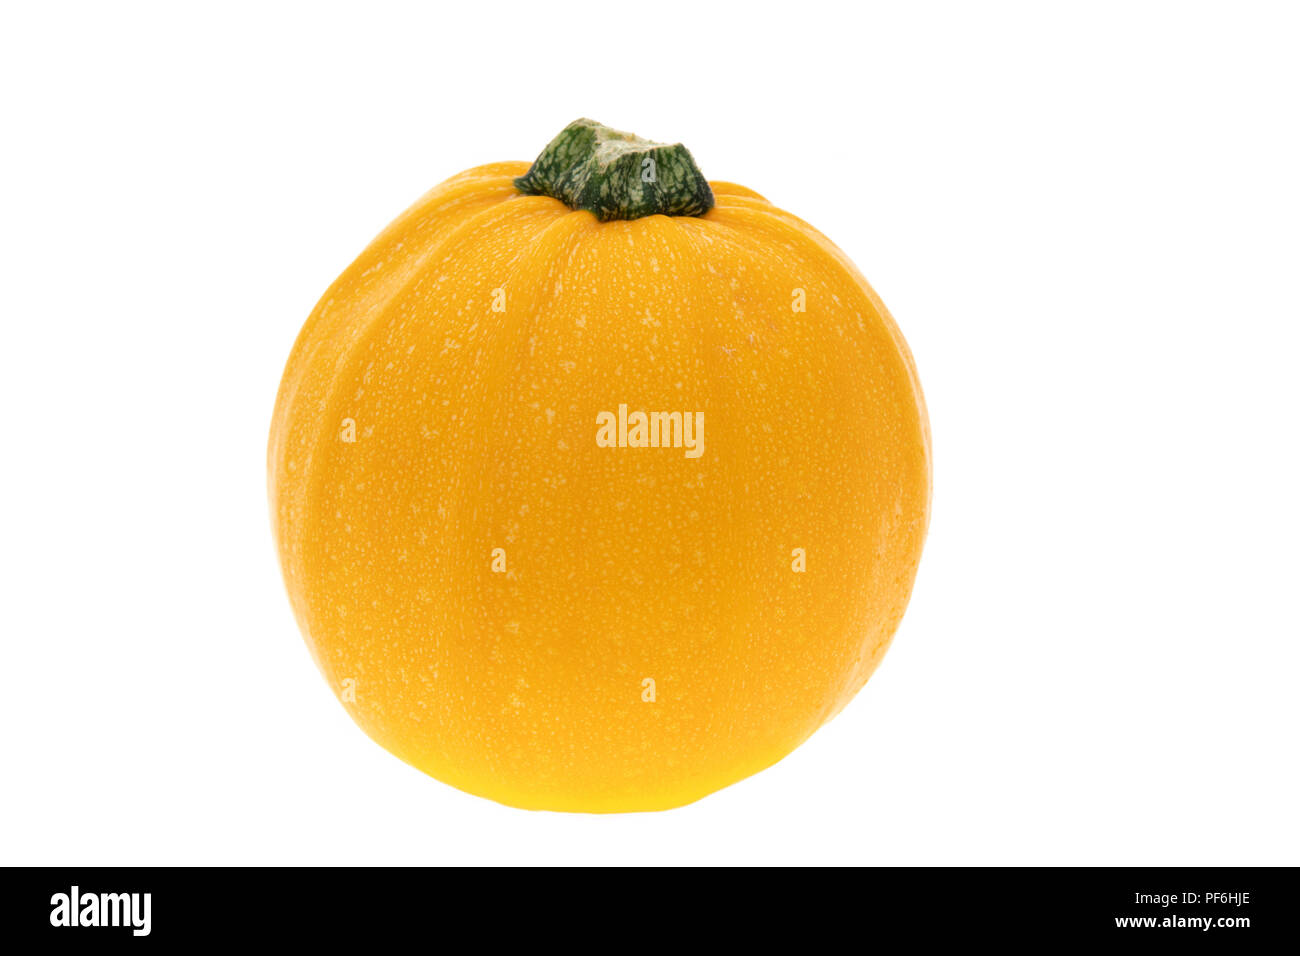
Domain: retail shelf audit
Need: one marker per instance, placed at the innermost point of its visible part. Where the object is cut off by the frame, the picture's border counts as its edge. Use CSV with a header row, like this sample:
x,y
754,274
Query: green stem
x,y
617,175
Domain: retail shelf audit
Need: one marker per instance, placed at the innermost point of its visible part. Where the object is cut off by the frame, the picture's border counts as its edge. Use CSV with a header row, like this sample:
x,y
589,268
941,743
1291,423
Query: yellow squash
x,y
596,486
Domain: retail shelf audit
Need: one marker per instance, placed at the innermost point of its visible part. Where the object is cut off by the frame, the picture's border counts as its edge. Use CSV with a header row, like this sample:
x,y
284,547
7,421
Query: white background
x,y
1086,222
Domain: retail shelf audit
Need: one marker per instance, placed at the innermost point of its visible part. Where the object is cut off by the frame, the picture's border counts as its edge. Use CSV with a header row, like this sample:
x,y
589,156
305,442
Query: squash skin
x,y
475,430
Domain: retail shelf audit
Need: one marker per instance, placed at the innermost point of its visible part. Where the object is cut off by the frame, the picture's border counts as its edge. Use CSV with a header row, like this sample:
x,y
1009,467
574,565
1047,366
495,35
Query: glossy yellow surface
x,y
467,354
